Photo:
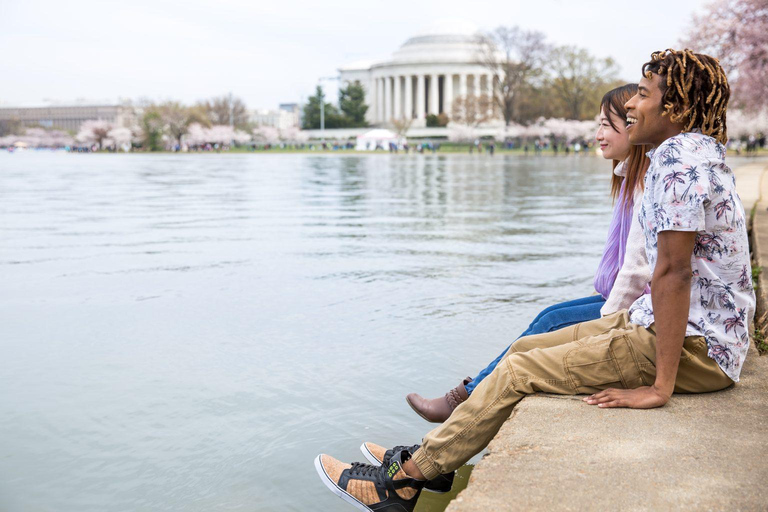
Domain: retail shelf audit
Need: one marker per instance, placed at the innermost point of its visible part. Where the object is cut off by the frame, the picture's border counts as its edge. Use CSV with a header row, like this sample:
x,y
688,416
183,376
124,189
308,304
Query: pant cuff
x,y
425,464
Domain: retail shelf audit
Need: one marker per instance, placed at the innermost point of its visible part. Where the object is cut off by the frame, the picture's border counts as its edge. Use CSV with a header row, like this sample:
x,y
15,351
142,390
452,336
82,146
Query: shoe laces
x,y
365,470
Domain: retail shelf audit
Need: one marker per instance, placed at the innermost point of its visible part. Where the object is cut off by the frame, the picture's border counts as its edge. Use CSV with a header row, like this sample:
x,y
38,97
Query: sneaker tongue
x,y
395,469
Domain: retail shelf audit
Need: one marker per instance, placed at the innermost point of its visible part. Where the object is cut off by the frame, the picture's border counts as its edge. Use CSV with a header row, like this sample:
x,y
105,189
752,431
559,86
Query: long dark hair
x,y
637,162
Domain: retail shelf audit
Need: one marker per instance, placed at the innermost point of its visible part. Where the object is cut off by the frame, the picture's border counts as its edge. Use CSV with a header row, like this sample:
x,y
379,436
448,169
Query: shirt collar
x,y
621,169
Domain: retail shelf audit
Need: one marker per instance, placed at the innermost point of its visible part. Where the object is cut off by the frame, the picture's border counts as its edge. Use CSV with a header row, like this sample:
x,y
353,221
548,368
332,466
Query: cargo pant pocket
x,y
603,363
692,346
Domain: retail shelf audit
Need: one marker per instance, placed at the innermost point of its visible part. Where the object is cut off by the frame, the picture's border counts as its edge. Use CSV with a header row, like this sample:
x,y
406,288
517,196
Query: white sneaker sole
x,y
335,489
368,455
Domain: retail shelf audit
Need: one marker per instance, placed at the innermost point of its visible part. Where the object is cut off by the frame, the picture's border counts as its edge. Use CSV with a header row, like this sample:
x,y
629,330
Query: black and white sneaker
x,y
378,455
384,488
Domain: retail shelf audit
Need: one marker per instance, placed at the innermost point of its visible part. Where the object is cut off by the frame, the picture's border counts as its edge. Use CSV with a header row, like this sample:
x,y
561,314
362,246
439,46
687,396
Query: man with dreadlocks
x,y
688,335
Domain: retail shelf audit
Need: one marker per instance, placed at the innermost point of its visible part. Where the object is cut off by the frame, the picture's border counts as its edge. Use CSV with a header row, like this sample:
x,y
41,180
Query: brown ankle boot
x,y
437,410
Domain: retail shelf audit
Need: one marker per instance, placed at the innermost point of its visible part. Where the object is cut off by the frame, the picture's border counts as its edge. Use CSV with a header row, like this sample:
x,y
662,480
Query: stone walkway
x,y
699,452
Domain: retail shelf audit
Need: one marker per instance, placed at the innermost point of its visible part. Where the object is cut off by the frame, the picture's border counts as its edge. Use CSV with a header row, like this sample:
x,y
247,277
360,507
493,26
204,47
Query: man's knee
x,y
544,340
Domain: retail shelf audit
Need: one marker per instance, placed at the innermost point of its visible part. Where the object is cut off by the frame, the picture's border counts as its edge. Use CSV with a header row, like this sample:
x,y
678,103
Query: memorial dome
x,y
442,41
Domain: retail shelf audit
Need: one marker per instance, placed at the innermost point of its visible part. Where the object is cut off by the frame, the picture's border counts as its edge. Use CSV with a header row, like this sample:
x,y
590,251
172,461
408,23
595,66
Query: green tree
x,y
578,80
152,129
352,103
333,118
10,127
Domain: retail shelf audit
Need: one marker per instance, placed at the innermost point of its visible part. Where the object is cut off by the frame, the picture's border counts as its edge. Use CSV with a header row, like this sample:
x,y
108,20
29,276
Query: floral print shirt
x,y
688,187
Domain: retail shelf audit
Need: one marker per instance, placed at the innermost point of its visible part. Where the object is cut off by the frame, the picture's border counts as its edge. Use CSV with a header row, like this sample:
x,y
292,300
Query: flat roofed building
x,y
68,117
287,116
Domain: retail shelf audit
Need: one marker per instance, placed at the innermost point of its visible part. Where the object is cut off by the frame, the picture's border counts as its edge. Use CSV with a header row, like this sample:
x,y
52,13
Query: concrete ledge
x,y
700,452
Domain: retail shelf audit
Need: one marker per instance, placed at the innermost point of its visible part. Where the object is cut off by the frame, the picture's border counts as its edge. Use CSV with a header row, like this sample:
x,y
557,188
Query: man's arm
x,y
671,298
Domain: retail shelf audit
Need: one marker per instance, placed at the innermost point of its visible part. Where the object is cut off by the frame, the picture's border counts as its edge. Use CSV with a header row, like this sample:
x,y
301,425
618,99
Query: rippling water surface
x,y
186,333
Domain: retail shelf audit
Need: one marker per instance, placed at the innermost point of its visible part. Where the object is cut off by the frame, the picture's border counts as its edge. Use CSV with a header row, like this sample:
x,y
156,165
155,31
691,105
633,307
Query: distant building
x,y
68,118
424,75
287,116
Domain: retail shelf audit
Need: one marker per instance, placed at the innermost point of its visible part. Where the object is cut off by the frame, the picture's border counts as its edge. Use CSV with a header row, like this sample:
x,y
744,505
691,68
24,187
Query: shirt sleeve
x,y
680,189
634,274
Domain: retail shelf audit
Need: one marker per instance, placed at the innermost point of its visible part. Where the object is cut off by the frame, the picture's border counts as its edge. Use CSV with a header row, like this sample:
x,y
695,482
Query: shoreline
x,y
351,152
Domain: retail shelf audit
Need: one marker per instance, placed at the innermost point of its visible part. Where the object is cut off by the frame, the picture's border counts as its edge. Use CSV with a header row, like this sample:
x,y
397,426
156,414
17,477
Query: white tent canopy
x,y
377,138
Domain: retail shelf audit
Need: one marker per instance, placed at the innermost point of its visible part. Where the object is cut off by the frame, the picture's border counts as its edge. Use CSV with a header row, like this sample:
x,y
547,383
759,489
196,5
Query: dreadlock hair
x,y
695,92
636,162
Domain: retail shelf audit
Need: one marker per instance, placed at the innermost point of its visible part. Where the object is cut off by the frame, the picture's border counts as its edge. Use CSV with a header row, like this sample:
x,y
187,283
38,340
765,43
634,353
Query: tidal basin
x,y
186,332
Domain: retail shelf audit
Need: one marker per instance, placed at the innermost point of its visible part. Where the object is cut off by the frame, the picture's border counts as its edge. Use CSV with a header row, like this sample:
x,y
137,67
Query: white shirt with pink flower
x,y
688,187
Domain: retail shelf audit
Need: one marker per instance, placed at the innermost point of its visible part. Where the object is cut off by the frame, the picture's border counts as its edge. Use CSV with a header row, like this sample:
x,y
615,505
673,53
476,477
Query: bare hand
x,y
646,397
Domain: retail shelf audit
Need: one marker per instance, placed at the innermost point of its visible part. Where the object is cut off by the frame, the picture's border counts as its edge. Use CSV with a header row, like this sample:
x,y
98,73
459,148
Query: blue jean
x,y
551,319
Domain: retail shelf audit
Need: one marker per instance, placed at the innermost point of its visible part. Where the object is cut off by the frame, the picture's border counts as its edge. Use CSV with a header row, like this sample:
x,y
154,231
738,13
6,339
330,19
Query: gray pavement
x,y
699,452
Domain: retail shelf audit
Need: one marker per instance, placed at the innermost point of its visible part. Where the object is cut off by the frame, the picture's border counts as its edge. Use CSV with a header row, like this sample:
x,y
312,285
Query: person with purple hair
x,y
623,274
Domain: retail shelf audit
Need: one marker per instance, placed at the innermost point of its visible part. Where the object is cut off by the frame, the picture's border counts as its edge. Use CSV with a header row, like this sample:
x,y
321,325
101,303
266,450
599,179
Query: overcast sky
x,y
270,52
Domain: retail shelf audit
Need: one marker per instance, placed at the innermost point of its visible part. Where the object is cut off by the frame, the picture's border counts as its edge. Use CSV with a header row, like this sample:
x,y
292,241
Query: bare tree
x,y
227,110
471,110
514,57
577,77
177,118
401,126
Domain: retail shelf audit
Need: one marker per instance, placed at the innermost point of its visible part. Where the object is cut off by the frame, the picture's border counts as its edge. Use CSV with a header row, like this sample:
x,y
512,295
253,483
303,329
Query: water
x,y
186,333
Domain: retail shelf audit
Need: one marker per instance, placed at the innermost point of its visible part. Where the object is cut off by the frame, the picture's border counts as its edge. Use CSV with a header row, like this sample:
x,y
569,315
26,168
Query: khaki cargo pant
x,y
583,358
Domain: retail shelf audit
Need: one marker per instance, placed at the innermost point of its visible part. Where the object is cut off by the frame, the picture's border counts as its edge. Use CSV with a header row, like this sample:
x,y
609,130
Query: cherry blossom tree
x,y
39,138
198,135
462,133
569,130
293,134
511,131
94,132
742,123
736,32
266,135
121,137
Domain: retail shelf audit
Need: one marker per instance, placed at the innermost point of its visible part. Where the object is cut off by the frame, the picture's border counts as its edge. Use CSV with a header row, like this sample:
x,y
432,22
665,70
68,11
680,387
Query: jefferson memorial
x,y
424,75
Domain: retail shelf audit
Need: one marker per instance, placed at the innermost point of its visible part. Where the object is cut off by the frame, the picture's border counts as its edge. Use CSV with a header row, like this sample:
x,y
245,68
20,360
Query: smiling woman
x,y
614,142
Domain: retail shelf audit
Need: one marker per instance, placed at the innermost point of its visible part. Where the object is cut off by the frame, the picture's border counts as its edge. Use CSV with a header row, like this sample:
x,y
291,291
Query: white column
x,y
491,96
434,107
387,99
382,93
408,97
398,113
373,100
463,85
448,94
476,85
420,97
